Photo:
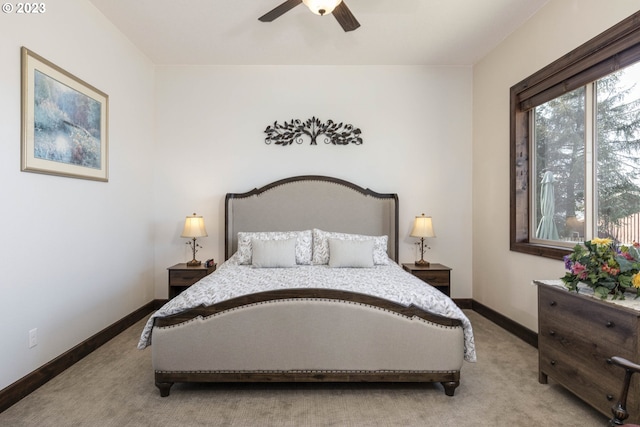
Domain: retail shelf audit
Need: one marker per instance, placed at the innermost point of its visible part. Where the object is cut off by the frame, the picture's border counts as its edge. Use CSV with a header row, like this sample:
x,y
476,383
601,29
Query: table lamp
x,y
194,228
422,227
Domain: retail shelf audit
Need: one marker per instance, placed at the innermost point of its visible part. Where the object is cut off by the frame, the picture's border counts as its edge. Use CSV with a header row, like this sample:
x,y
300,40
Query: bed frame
x,y
308,335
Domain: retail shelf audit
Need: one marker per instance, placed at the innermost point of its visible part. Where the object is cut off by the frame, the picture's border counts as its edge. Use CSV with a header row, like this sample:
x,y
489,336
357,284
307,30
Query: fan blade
x,y
280,10
345,18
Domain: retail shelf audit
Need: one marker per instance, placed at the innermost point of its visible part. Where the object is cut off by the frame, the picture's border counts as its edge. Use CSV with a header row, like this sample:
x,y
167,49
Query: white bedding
x,y
385,281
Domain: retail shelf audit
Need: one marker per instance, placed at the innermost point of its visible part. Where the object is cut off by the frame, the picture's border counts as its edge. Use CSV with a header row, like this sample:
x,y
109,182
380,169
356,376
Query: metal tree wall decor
x,y
296,130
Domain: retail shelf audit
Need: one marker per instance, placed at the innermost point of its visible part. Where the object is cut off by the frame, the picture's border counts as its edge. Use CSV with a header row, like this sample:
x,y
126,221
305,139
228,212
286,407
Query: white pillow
x,y
351,253
321,245
274,253
303,244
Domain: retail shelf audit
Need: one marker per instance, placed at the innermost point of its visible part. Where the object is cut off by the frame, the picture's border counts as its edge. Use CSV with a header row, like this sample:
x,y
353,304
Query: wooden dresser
x,y
577,335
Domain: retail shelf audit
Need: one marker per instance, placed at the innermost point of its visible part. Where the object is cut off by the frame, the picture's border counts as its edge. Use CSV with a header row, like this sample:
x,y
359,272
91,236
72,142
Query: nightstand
x,y
181,277
437,275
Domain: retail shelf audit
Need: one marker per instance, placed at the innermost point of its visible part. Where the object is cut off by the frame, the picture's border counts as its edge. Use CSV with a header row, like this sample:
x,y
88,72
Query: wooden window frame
x,y
617,47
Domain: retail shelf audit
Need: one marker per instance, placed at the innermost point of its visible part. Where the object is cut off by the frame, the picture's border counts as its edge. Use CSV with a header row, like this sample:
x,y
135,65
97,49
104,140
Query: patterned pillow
x,y
321,245
303,244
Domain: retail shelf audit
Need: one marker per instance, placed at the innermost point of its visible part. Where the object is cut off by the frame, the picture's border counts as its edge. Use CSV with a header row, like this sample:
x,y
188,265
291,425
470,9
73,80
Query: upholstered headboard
x,y
306,202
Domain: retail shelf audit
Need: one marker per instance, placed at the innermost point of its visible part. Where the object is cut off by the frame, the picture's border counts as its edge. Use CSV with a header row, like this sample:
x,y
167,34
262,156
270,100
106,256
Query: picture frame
x,y
64,122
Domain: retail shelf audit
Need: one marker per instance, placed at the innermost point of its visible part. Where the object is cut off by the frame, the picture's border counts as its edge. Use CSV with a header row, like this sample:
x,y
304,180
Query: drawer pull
x,y
552,333
609,397
553,363
552,303
610,324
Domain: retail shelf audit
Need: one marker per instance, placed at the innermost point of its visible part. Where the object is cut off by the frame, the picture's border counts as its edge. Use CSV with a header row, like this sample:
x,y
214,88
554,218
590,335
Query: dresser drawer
x,y
559,346
185,278
435,278
587,318
591,383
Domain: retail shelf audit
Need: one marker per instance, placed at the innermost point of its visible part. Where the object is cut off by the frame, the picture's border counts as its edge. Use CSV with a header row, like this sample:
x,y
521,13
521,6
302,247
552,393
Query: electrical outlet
x,y
33,337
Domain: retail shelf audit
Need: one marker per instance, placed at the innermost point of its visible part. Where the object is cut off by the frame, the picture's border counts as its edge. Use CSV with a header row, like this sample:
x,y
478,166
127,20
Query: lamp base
x,y
194,263
422,263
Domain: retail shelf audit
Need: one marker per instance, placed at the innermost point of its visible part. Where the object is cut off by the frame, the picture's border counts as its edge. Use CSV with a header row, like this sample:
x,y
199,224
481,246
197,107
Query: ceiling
x,y
392,32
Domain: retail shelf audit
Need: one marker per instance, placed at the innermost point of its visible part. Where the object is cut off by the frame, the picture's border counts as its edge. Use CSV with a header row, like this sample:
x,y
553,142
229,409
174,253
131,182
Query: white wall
x,y
502,279
76,255
415,121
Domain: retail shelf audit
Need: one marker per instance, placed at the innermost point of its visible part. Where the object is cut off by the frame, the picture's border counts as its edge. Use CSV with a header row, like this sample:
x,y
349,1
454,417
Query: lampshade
x,y
194,226
423,227
321,7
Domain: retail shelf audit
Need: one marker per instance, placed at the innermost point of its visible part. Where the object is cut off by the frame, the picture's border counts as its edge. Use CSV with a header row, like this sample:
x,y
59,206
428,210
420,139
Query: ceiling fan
x,y
337,8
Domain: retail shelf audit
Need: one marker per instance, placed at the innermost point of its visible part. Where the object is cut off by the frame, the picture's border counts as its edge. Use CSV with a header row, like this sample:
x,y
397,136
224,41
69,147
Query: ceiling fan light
x,y
321,7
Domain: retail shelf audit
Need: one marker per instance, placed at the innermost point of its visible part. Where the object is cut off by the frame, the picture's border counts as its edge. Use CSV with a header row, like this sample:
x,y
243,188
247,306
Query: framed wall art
x,y
64,122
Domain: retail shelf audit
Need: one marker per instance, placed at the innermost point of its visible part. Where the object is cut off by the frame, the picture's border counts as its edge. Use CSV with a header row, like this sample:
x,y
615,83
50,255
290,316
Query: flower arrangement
x,y
606,268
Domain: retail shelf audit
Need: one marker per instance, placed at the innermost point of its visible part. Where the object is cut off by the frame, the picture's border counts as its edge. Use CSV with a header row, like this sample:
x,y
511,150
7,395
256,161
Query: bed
x,y
310,291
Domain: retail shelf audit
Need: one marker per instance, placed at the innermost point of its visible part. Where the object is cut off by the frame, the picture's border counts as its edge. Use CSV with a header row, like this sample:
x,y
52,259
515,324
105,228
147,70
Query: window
x,y
587,162
575,138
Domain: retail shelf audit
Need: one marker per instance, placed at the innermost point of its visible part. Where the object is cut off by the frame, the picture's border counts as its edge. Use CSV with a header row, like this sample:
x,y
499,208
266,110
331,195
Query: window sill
x,y
547,251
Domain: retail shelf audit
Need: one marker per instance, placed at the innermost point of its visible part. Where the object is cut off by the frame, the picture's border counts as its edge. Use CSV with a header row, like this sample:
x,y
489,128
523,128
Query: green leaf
x,y
601,291
625,281
625,264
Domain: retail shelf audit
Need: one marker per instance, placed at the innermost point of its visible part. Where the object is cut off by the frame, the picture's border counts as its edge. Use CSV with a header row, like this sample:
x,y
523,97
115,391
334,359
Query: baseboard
x,y
29,383
525,334
464,303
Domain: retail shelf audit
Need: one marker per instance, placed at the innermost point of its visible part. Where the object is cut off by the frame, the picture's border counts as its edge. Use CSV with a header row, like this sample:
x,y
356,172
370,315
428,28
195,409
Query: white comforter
x,y
385,281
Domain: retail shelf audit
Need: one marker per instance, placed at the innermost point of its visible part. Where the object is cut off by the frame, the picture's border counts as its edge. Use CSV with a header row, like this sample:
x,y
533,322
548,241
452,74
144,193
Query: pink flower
x,y
579,270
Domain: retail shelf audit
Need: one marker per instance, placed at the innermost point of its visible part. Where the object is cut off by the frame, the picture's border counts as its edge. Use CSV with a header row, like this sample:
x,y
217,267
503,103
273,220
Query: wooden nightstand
x,y
437,275
181,277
